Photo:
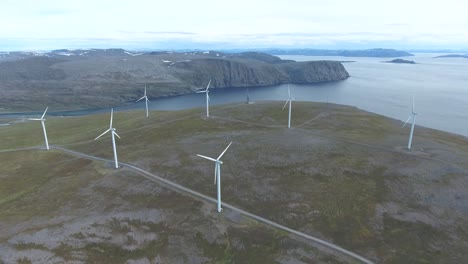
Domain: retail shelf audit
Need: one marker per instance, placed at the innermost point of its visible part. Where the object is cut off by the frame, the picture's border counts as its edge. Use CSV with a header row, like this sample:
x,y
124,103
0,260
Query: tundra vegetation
x,y
340,174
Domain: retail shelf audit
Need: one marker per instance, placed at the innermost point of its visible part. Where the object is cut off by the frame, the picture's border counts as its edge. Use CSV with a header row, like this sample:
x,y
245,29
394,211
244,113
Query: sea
x,y
439,87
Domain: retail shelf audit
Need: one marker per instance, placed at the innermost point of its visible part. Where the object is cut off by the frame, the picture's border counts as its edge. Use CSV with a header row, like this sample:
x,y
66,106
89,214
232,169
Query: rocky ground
x,y
82,79
339,173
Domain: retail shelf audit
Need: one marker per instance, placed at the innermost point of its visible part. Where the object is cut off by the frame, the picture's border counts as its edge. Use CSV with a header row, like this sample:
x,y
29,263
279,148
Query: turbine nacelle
x,y
112,130
217,173
42,119
288,101
413,116
146,101
206,91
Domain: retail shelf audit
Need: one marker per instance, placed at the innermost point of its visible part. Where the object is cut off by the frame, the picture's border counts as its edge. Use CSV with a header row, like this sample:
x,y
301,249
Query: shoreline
x,y
19,117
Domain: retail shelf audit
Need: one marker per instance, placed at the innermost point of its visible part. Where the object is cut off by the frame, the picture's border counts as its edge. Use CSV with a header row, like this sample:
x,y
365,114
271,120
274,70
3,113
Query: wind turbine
x,y
207,99
42,119
112,130
413,116
247,101
289,100
217,178
146,101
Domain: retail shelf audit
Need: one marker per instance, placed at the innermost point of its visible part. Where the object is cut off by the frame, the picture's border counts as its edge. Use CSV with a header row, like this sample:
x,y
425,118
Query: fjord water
x,y
440,88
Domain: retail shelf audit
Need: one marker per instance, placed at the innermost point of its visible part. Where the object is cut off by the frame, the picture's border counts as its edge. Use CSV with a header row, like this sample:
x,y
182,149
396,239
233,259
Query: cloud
x,y
54,12
397,24
170,33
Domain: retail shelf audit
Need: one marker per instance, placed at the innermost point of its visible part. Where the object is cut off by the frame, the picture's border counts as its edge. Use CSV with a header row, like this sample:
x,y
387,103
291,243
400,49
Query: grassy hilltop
x,y
340,174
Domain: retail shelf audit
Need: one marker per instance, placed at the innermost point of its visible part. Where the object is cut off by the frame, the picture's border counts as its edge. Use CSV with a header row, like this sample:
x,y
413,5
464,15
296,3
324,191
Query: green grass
x,y
406,242
300,177
29,180
243,245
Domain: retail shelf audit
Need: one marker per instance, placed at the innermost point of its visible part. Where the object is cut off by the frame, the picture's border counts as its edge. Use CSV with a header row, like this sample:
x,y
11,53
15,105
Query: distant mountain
x,y
401,61
383,53
77,79
452,56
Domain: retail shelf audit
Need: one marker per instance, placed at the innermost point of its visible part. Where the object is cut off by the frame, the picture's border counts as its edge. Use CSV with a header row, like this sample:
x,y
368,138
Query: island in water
x,y
401,61
452,56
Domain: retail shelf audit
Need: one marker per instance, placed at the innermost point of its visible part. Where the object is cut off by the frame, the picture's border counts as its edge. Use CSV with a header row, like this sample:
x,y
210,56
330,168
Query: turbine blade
x,y
112,114
102,134
412,110
216,171
285,104
147,99
208,86
145,89
406,121
44,113
36,119
139,99
224,150
205,157
201,91
115,133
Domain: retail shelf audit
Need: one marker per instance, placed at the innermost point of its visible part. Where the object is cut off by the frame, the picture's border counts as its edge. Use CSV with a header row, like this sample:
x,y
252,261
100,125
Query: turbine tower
x,y
413,121
207,99
112,130
217,178
42,119
146,101
247,100
289,100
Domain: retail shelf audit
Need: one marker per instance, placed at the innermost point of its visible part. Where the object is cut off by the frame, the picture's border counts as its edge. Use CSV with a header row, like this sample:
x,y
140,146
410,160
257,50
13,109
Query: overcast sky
x,y
51,24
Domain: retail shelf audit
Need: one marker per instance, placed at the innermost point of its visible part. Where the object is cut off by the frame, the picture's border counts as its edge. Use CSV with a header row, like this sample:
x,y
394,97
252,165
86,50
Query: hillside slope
x,y
339,173
79,79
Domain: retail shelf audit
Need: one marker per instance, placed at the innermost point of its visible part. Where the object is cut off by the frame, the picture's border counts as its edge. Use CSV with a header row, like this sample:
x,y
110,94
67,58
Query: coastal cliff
x,y
232,73
81,79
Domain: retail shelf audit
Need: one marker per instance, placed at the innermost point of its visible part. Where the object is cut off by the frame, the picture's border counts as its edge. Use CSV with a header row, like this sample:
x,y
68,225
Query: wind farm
x,y
338,175
277,132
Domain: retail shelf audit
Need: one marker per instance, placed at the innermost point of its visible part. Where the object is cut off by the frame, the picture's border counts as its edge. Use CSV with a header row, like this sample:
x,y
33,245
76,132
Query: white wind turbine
x,y
207,99
217,178
146,101
113,138
42,119
289,100
413,116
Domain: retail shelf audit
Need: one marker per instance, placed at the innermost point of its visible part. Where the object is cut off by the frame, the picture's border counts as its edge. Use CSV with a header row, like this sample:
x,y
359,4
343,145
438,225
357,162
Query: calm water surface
x,y
440,88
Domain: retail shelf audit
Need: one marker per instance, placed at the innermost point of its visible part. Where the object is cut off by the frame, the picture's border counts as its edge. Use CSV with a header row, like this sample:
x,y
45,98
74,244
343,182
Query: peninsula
x,y
80,79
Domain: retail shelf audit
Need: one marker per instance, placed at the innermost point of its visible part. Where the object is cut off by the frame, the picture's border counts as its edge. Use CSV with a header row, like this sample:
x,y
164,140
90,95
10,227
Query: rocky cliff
x,y
235,73
80,79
